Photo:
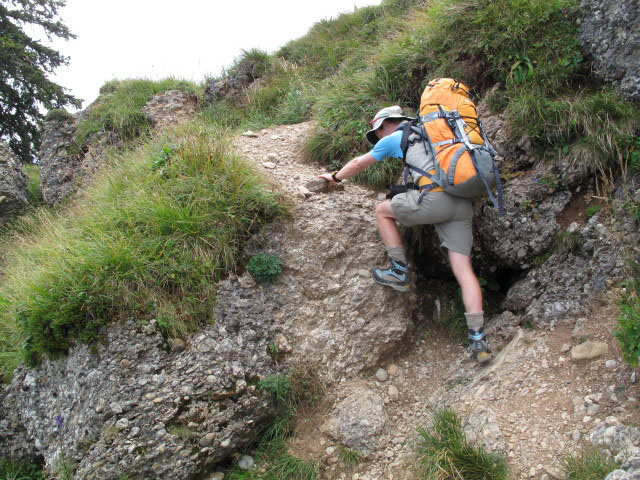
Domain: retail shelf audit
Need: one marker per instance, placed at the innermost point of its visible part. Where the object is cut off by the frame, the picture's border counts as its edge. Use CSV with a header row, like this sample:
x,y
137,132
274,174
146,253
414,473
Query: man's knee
x,y
383,210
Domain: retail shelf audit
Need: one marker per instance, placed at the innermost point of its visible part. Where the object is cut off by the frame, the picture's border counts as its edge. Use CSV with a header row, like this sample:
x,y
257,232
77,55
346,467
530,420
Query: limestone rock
x,y
317,185
611,35
169,108
358,421
60,163
158,391
13,184
589,350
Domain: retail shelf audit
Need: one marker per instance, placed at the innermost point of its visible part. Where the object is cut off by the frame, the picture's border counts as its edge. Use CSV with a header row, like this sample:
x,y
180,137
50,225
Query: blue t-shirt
x,y
388,146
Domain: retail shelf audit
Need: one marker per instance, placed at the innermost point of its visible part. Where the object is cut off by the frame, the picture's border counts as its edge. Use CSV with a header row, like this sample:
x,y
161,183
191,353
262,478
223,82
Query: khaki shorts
x,y
451,216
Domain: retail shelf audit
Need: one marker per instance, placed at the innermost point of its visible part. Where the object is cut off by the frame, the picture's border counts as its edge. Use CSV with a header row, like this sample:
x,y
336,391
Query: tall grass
x,y
589,464
443,453
149,240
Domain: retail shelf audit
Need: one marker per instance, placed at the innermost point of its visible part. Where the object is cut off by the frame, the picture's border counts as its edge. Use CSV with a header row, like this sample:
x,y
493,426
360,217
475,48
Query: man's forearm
x,y
355,166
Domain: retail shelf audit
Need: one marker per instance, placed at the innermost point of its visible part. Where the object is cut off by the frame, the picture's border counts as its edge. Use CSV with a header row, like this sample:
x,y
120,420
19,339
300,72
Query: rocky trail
x,y
548,392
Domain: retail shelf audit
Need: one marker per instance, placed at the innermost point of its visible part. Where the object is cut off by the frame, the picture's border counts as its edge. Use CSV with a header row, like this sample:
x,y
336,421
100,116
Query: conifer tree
x,y
24,65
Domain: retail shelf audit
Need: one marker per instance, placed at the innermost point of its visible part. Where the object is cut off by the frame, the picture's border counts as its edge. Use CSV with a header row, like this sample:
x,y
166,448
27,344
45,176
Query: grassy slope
x,y
149,240
160,226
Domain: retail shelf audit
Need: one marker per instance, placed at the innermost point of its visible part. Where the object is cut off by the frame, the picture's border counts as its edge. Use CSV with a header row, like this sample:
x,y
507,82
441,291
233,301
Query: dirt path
x,y
533,403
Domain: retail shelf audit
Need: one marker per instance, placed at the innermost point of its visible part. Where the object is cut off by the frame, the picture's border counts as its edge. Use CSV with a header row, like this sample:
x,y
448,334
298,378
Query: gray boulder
x,y
60,163
169,108
563,286
611,35
532,207
358,421
233,85
13,185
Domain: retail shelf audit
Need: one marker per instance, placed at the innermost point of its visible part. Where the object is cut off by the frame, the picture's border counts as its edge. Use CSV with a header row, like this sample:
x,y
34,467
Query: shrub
x,y
143,243
265,268
590,464
444,453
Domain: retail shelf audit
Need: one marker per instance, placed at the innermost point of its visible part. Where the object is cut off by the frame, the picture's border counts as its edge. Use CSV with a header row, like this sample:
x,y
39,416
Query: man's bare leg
x,y
472,299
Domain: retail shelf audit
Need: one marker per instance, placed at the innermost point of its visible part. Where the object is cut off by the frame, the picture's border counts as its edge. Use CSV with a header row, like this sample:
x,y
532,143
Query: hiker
x,y
450,215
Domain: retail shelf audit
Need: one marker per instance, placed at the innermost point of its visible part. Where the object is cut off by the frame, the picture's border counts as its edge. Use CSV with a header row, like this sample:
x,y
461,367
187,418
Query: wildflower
x,y
59,422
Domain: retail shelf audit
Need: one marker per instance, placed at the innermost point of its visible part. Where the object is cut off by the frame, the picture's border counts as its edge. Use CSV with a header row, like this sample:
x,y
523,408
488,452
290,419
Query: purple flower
x,y
564,10
59,422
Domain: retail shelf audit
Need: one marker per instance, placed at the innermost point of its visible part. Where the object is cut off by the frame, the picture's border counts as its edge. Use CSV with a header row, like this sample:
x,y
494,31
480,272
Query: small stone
x,y
116,408
272,156
392,369
393,393
610,363
589,350
225,443
269,165
250,134
633,377
216,476
382,375
100,404
330,450
593,410
575,435
176,344
207,439
573,227
246,462
122,423
565,348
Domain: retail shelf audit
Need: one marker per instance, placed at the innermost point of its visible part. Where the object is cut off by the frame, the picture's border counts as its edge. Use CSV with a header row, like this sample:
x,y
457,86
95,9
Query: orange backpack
x,y
449,125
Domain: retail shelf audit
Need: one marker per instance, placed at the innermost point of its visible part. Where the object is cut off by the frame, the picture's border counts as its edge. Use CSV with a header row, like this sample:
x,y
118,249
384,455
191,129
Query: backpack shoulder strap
x,y
404,142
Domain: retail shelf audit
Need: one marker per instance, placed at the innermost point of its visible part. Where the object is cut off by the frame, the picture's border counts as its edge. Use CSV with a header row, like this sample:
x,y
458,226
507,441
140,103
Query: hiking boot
x,y
396,276
479,345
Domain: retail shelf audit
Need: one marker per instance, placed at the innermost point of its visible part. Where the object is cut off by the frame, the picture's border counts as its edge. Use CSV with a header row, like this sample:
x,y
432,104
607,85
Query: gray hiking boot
x,y
396,276
479,345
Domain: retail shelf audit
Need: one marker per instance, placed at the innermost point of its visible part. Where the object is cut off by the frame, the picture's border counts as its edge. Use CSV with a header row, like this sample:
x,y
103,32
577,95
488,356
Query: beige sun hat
x,y
388,112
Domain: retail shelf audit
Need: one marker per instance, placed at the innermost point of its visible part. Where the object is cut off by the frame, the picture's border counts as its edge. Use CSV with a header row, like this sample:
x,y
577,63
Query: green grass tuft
x,y
12,470
590,464
146,241
628,329
444,453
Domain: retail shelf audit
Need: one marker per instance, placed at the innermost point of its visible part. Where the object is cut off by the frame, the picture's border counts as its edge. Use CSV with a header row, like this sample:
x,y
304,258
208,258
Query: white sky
x,y
187,39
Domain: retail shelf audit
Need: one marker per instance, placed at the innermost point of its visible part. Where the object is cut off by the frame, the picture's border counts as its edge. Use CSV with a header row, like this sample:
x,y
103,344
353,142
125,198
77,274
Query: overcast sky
x,y
187,39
